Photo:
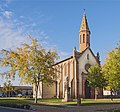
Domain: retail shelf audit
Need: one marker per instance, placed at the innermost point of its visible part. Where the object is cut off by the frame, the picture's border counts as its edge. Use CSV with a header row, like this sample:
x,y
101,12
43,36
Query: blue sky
x,y
56,23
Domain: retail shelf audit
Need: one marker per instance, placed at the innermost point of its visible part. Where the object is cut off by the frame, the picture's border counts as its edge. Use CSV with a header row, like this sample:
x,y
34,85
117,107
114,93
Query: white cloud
x,y
9,38
14,26
21,17
64,55
34,24
7,14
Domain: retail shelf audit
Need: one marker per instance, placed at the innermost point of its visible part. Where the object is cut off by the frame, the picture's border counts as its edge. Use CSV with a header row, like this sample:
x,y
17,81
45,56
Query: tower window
x,y
83,38
87,56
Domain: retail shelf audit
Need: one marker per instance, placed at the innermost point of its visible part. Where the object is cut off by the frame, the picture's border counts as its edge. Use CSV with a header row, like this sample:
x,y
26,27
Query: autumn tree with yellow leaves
x,y
111,70
31,62
7,88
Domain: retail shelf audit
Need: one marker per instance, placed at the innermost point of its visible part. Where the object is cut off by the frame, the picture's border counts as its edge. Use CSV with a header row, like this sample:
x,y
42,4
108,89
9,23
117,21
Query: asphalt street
x,y
7,109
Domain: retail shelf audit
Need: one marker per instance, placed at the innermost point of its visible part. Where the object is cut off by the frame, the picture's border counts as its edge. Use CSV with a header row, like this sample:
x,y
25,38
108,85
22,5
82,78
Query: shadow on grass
x,y
92,104
75,105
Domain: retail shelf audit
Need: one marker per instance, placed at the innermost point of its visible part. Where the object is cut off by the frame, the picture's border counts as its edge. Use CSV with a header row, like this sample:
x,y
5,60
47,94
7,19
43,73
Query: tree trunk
x,y
111,95
96,94
36,97
8,93
36,93
78,101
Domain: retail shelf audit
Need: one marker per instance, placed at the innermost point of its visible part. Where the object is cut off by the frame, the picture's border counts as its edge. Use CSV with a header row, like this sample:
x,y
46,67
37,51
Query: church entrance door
x,y
87,90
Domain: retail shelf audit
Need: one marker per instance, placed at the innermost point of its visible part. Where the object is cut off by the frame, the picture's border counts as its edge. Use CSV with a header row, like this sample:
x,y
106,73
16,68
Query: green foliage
x,y
111,69
32,63
95,77
7,87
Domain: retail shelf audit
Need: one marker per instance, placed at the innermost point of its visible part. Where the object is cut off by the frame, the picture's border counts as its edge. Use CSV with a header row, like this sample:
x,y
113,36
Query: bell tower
x,y
84,34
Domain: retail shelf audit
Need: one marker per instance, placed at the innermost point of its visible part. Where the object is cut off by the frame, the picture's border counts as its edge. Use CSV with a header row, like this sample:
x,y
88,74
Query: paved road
x,y
95,108
7,109
40,108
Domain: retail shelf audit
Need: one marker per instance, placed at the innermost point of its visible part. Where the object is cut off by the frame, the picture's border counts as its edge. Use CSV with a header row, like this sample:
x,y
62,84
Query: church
x,y
72,79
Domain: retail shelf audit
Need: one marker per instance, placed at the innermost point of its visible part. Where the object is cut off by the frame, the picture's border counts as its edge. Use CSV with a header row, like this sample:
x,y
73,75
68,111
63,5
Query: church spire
x,y
84,34
84,24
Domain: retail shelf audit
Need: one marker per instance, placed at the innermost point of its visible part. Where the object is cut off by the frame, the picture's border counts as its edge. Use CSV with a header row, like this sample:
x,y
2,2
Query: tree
x,y
17,90
32,63
95,78
111,70
7,88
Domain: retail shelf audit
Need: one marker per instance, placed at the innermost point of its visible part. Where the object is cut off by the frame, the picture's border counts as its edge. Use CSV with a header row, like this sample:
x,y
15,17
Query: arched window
x,y
87,56
87,35
83,38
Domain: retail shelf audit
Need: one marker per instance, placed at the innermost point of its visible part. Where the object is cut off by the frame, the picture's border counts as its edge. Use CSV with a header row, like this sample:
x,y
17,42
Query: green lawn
x,y
22,102
13,101
85,102
100,101
57,101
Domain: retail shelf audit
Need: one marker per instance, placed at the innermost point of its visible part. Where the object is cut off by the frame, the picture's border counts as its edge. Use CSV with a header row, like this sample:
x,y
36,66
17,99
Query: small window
x,y
87,35
83,38
87,56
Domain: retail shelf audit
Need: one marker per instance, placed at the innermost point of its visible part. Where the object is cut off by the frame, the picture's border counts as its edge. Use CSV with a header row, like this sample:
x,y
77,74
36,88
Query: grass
x,y
100,101
58,101
83,101
53,101
15,103
14,100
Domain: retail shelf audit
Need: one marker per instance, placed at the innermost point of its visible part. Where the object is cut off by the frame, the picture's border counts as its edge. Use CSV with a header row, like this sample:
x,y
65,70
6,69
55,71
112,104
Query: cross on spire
x,y
84,12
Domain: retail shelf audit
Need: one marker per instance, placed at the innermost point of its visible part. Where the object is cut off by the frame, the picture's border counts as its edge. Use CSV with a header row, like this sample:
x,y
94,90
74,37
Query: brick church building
x,y
72,78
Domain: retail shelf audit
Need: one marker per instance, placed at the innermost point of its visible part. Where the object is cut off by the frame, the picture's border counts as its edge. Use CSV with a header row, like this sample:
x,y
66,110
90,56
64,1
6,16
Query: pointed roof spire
x,y
84,12
84,24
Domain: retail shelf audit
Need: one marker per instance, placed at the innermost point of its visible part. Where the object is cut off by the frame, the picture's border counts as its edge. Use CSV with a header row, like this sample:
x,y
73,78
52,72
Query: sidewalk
x,y
64,108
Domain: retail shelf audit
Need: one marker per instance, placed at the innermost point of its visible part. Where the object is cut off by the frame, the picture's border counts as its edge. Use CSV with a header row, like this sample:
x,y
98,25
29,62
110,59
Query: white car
x,y
20,95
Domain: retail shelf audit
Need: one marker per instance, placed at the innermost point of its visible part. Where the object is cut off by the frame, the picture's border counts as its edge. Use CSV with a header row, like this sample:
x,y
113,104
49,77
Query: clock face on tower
x,y
87,66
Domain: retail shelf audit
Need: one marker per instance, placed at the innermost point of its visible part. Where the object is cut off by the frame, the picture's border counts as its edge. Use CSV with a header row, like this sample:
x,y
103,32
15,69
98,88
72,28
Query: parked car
x,y
19,95
1,95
